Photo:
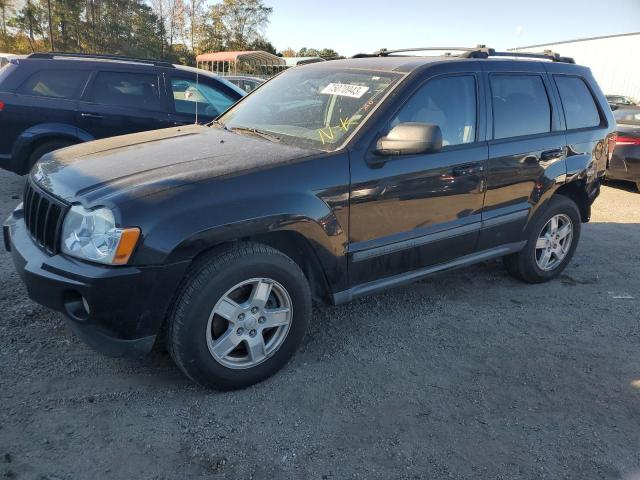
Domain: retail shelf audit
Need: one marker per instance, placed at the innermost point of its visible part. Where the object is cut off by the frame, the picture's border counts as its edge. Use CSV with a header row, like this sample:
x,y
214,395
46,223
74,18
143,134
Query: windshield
x,y
627,116
312,107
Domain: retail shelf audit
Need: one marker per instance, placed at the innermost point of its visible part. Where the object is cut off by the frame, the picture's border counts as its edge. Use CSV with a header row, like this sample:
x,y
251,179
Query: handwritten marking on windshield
x,y
328,133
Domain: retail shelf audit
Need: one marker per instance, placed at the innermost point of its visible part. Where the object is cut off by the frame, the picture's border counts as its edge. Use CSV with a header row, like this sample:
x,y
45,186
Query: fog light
x,y
76,306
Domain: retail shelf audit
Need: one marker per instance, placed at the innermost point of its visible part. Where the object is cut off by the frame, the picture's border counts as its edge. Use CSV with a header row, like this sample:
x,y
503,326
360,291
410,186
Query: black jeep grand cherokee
x,y
332,181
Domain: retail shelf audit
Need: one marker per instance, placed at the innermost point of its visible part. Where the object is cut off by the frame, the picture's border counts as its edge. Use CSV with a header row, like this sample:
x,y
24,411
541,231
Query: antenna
x,y
197,91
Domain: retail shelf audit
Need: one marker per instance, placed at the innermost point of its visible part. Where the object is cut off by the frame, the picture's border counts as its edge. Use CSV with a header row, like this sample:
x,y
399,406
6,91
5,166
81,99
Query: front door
x,y
197,100
414,211
120,102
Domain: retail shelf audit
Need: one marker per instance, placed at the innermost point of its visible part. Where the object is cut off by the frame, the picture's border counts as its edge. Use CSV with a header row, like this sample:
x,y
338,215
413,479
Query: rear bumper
x,y
625,163
115,310
7,162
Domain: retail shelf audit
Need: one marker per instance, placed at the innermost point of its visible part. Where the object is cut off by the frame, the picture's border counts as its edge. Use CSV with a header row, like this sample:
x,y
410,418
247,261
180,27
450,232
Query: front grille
x,y
43,215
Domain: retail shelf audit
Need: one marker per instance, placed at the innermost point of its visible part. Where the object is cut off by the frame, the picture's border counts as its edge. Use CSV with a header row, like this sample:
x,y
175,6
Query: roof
x,y
385,64
249,56
575,40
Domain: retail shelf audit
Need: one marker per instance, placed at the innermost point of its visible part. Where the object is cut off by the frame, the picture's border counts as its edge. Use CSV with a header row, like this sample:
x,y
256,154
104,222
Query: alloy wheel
x,y
554,242
249,323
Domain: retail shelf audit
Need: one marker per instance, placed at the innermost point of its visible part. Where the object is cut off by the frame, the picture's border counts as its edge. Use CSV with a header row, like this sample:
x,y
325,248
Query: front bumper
x,y
115,310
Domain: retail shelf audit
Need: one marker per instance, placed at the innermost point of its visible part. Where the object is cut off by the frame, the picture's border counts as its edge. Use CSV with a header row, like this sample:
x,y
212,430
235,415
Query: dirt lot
x,y
466,375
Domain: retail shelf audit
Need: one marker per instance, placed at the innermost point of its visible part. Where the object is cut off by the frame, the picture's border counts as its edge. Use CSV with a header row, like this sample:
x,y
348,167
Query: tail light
x,y
622,140
2,104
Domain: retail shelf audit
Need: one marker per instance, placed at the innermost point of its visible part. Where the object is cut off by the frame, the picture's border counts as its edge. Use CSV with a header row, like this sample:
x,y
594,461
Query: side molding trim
x,y
414,275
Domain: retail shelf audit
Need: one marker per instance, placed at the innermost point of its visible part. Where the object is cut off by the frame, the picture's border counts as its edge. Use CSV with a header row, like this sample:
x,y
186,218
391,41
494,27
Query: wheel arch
x,y
39,134
577,191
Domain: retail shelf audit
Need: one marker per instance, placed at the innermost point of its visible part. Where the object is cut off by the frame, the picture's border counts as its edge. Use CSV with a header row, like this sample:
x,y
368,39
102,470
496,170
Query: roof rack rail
x,y
100,56
480,51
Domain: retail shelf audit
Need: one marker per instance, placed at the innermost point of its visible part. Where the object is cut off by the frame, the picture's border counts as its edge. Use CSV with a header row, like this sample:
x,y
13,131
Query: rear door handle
x,y
553,153
468,169
91,115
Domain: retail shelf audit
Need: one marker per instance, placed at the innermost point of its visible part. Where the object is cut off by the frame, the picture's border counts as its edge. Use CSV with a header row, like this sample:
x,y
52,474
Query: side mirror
x,y
411,138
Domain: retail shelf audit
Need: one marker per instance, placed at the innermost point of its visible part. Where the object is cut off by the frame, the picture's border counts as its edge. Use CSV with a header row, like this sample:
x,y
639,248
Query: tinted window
x,y
188,94
520,105
580,110
55,83
133,90
448,102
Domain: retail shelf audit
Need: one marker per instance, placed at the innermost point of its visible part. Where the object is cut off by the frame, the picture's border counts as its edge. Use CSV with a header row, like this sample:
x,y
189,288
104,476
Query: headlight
x,y
92,235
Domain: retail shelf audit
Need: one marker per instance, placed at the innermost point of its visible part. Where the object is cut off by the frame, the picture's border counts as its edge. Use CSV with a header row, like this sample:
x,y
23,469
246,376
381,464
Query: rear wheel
x,y
240,316
45,148
552,241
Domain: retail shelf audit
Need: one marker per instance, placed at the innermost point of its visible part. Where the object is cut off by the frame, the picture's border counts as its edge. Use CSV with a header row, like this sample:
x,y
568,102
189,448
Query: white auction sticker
x,y
345,90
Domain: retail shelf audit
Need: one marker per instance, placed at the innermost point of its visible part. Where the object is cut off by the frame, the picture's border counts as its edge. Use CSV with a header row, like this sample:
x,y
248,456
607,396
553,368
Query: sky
x,y
354,26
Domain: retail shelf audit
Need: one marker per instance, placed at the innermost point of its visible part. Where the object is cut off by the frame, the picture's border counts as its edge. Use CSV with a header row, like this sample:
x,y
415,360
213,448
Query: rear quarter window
x,y
55,83
580,109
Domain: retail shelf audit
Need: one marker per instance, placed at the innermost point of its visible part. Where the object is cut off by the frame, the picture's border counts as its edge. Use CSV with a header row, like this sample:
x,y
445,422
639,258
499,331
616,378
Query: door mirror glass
x,y
411,138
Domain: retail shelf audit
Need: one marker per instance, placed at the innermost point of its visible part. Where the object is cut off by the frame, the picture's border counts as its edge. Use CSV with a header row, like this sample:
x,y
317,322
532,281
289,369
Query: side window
x,y
123,89
580,110
450,103
55,83
187,94
520,106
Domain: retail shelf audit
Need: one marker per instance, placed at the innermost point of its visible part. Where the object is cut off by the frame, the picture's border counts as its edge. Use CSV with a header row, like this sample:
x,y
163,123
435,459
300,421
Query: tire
x,y
196,332
526,264
45,148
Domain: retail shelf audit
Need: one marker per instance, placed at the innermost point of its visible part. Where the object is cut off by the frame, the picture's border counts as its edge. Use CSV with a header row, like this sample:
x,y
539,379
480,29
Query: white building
x,y
613,59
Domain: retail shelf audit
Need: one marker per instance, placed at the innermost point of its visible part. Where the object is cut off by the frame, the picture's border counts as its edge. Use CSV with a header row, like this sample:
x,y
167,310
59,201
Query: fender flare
x,y
23,145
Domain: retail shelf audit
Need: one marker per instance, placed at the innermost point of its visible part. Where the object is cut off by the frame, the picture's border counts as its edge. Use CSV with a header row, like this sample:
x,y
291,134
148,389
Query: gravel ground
x,y
470,374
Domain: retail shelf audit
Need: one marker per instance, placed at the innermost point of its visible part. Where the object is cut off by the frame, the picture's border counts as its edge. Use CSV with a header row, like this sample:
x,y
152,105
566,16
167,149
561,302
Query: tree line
x,y
176,30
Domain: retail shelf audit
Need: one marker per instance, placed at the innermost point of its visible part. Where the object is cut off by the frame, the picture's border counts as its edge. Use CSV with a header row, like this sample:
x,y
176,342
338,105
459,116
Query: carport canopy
x,y
251,61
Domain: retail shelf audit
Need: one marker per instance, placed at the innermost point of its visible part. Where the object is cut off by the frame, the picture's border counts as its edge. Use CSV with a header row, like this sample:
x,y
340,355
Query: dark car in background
x,y
617,101
248,84
625,160
50,101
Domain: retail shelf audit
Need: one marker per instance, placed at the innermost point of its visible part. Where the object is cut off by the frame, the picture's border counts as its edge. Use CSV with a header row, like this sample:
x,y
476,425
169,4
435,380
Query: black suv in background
x,y
52,100
331,181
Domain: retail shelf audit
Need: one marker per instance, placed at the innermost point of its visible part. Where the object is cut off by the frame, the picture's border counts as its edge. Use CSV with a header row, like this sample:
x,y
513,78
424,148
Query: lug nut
x,y
262,320
253,333
254,310
240,331
241,317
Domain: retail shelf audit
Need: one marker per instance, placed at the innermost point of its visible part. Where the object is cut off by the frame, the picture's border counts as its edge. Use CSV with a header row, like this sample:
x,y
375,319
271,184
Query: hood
x,y
145,163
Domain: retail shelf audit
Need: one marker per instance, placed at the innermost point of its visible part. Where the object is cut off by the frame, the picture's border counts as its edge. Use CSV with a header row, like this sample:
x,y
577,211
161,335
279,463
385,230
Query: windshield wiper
x,y
256,131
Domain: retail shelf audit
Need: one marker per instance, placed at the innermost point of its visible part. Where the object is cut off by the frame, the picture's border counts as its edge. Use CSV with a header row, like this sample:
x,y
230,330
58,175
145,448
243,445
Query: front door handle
x,y
91,115
553,153
468,169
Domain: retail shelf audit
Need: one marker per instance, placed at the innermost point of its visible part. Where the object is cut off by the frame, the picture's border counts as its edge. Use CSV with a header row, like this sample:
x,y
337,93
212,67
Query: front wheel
x,y
240,316
552,241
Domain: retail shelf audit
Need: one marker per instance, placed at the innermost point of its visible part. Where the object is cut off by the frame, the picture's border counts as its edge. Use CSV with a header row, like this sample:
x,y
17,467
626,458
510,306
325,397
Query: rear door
x,y
44,96
197,100
527,147
118,102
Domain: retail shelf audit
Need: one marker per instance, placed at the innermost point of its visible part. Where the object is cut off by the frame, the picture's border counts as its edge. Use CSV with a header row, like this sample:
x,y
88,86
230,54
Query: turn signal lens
x,y
128,242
